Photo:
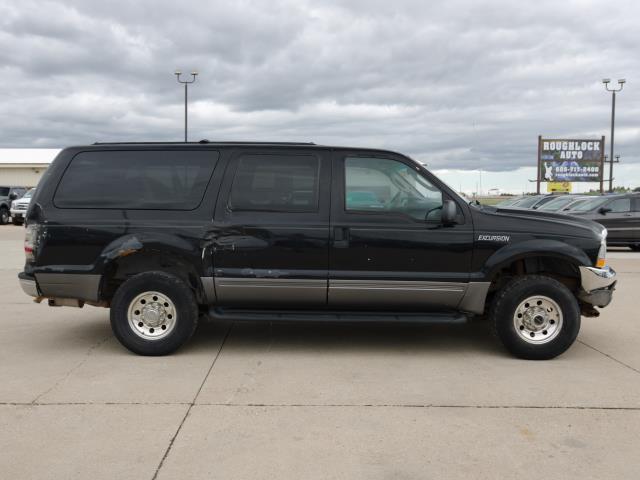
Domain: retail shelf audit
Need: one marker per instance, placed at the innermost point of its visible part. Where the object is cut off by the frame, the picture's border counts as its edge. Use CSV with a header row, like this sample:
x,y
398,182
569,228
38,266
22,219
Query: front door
x,y
389,247
271,238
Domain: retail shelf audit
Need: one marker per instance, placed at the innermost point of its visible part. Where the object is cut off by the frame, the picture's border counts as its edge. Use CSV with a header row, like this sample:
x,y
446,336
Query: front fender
x,y
531,249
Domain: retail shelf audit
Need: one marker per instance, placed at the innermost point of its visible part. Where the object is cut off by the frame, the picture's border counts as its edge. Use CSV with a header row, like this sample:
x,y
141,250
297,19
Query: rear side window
x,y
276,183
145,180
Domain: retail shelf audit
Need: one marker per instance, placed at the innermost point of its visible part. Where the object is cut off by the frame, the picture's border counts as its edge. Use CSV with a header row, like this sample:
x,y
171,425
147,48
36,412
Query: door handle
x,y
225,247
341,237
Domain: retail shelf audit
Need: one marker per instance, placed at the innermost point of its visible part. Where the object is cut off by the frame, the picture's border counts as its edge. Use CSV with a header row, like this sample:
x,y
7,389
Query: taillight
x,y
30,235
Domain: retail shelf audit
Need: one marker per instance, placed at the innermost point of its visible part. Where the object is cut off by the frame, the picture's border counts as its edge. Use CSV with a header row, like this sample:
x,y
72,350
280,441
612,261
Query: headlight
x,y
601,261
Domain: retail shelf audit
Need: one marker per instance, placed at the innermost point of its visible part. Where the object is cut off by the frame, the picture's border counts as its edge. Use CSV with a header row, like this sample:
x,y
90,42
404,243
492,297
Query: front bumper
x,y
597,285
29,285
17,213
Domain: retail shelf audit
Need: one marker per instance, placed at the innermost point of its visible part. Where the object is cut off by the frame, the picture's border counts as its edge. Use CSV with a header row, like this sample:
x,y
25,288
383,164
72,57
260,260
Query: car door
x,y
389,249
618,219
271,239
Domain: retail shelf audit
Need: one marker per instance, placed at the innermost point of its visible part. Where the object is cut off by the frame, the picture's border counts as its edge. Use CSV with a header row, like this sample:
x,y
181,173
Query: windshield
x,y
30,193
590,204
573,205
509,201
527,202
557,203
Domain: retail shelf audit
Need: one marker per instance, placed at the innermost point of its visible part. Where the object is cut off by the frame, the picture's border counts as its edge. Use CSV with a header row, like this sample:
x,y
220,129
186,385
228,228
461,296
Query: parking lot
x,y
307,401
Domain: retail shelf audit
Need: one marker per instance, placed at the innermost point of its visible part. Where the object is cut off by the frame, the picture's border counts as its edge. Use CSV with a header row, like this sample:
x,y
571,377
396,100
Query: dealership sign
x,y
563,160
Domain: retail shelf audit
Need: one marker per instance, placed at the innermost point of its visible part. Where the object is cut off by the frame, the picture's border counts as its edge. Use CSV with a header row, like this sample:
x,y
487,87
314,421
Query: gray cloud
x,y
459,84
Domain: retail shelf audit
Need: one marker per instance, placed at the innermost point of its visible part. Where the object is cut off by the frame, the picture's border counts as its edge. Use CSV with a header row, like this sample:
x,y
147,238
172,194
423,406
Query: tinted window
x,y
153,180
383,185
620,205
276,183
4,191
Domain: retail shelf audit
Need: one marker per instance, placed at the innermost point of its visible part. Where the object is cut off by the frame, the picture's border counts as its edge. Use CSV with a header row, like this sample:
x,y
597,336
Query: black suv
x,y
165,233
620,214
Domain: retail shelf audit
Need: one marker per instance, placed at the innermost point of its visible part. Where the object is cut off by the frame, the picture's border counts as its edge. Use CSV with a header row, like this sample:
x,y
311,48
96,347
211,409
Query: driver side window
x,y
388,186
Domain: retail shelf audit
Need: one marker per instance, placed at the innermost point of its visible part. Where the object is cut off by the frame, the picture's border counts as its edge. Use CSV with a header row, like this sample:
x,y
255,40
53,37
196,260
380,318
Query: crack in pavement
x,y
191,404
321,405
73,369
609,356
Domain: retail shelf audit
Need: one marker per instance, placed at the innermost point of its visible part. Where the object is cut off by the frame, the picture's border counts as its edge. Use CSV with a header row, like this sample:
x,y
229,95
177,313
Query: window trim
x,y
394,214
216,162
234,174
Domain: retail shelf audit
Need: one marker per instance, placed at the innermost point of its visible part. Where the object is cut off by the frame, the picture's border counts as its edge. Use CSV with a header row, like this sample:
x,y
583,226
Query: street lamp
x,y
186,83
613,90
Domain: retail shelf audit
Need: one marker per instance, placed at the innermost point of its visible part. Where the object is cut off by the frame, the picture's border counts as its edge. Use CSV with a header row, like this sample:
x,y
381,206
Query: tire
x,y
153,313
17,221
535,317
4,216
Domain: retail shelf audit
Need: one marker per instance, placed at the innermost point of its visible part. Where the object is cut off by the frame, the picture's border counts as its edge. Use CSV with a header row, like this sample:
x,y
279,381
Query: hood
x,y
545,222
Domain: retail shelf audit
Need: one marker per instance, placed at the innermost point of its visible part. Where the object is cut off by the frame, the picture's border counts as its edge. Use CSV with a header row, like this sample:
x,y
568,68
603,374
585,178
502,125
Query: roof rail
x,y
204,141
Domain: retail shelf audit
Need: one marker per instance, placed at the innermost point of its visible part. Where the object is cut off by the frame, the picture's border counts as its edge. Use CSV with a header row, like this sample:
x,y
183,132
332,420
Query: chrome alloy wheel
x,y
152,315
538,320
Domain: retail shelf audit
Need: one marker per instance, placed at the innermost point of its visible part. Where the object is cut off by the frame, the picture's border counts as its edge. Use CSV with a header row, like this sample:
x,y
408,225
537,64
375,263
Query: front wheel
x,y
536,317
153,313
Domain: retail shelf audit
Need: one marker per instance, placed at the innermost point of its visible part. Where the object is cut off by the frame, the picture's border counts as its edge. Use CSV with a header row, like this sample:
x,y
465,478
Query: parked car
x,y
7,195
560,203
19,207
620,214
162,233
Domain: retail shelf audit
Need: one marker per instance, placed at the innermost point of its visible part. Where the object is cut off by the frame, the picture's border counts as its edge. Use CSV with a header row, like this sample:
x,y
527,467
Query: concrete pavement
x,y
313,401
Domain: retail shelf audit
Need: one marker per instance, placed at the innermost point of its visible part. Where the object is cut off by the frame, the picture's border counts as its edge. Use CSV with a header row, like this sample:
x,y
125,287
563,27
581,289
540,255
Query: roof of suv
x,y
209,143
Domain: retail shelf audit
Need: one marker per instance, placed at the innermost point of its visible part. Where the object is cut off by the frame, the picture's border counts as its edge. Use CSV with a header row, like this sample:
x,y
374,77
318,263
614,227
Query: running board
x,y
231,314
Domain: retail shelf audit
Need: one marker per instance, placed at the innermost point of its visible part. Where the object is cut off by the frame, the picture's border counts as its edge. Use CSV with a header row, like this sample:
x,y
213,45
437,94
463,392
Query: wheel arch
x,y
137,253
552,258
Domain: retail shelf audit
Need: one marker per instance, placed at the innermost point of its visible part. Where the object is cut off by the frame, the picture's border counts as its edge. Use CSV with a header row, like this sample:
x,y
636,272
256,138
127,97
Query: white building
x,y
24,166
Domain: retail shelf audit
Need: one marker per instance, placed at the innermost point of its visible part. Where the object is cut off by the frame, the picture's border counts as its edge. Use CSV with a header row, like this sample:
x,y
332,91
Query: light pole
x,y
186,84
613,91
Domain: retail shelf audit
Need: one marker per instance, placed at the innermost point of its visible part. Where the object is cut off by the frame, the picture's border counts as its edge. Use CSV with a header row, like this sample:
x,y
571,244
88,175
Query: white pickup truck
x,y
19,207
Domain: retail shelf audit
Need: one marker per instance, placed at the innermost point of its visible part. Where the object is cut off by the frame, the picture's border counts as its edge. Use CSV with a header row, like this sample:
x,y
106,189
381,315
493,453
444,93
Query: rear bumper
x,y
28,284
597,285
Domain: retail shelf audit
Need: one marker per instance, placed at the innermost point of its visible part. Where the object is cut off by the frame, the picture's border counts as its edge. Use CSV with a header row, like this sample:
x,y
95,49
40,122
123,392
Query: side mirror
x,y
449,211
604,210
13,196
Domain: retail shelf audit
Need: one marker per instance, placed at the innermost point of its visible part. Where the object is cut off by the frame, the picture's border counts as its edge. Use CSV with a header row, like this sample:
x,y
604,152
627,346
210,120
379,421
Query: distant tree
x,y
637,189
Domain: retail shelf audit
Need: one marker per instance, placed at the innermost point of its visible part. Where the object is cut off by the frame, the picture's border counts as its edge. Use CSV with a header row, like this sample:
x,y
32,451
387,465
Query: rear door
x,y
271,225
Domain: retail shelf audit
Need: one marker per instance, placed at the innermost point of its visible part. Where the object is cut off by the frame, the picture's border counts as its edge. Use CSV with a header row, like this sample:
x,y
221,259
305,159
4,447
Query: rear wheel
x,y
4,216
153,313
536,317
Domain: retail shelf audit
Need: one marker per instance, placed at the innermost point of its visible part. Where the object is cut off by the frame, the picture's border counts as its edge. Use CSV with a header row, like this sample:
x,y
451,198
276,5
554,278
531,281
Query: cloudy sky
x,y
460,85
